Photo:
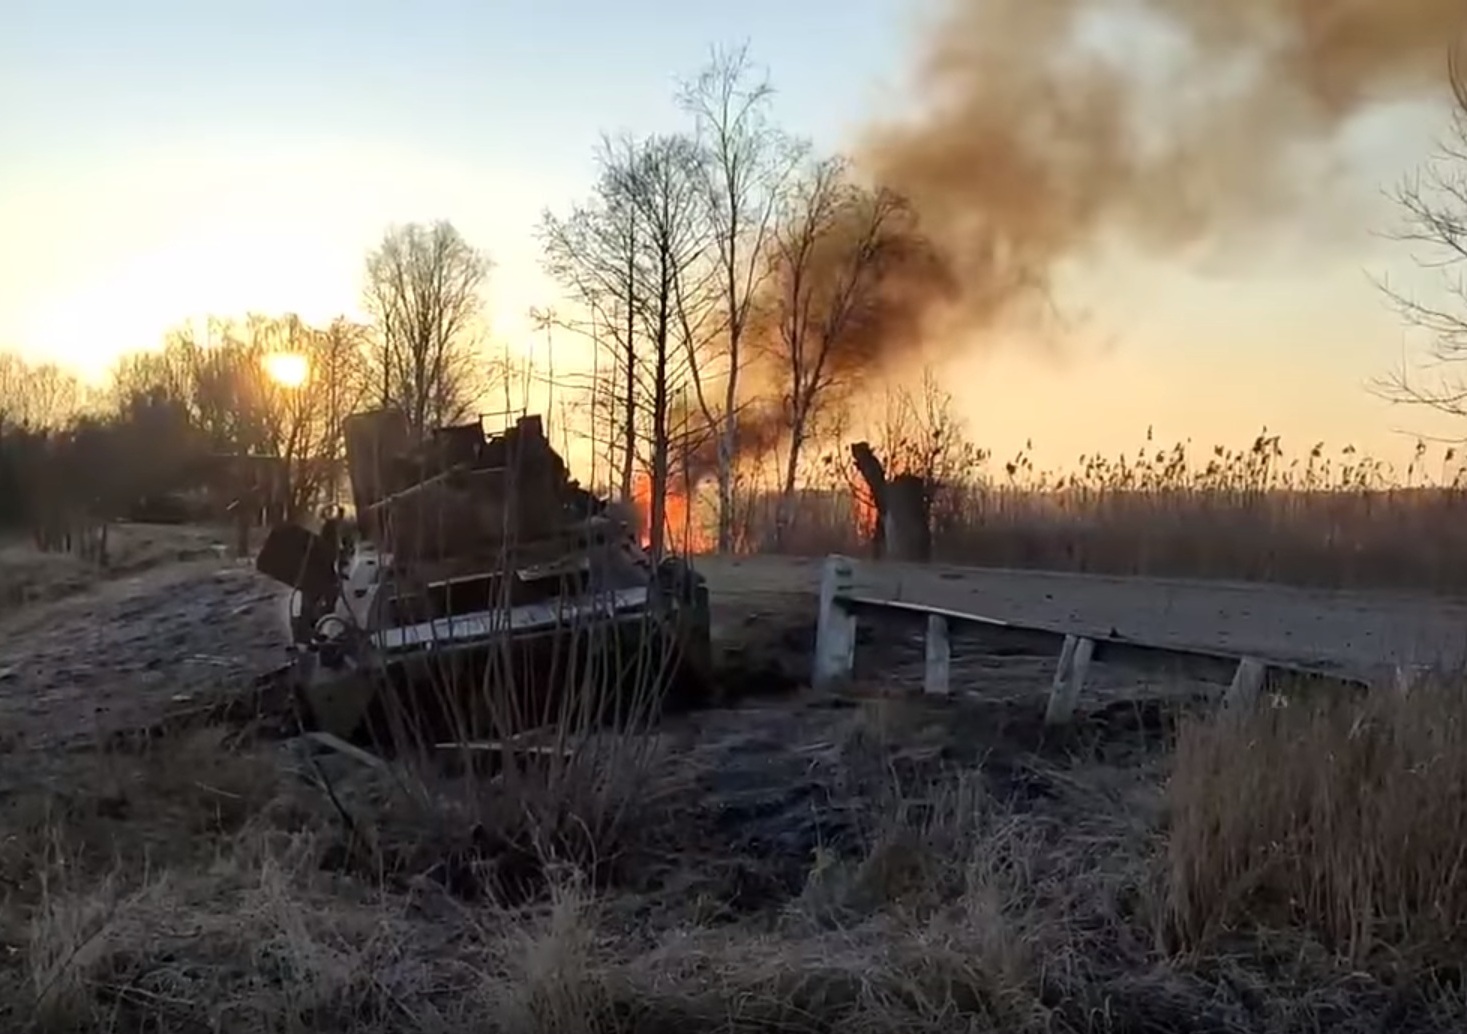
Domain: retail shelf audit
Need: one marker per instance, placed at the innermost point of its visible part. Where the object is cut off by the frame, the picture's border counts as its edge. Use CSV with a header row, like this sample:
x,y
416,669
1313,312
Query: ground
x,y
791,861
28,576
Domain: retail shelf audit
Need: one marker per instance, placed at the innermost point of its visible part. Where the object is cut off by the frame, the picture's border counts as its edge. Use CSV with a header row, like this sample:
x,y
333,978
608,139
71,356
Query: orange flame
x,y
684,532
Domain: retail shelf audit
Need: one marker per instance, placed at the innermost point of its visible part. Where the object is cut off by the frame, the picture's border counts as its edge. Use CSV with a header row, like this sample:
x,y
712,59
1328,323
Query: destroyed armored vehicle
x,y
486,594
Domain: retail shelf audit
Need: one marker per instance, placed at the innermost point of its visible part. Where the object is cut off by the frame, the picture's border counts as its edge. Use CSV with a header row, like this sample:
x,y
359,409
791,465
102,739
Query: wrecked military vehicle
x,y
487,594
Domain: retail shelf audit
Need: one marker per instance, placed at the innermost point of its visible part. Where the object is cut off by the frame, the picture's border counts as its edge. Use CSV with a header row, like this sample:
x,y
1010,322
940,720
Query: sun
x,y
287,369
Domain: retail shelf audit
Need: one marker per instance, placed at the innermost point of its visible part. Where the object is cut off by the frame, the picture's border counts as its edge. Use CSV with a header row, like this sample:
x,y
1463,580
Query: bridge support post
x,y
835,635
1247,683
937,674
1069,679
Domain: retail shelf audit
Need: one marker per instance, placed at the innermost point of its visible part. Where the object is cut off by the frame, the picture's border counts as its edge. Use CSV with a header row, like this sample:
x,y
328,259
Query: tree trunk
x,y
658,537
784,516
629,396
726,452
908,531
874,474
728,446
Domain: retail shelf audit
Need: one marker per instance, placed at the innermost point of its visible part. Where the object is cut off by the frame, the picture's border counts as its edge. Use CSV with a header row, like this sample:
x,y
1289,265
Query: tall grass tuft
x,y
1345,817
543,756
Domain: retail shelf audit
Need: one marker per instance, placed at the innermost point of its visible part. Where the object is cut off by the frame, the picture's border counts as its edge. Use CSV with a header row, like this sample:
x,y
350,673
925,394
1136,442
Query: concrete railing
x,y
841,605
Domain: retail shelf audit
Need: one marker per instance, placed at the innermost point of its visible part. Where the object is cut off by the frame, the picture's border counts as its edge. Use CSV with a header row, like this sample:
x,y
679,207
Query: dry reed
x,y
1329,520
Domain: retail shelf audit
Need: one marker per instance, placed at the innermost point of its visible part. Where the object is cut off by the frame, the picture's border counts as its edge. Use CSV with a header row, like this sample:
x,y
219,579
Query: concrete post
x,y
835,636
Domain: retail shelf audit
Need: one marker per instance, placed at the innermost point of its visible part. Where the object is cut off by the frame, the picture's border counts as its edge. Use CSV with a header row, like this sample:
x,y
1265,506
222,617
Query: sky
x,y
162,160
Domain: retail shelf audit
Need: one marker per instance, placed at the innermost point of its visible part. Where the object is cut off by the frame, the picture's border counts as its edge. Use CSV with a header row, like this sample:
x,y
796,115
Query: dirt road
x,y
118,653
1359,633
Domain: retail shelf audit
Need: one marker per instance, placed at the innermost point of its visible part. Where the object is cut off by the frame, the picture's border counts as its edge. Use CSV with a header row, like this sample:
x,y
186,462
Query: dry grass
x,y
792,868
209,883
1343,818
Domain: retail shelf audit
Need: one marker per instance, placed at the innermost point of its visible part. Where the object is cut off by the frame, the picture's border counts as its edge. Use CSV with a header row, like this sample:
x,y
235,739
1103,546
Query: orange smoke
x,y
684,533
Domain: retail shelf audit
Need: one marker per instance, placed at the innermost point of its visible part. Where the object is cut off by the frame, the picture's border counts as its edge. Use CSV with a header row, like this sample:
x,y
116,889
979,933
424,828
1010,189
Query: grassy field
x,y
900,869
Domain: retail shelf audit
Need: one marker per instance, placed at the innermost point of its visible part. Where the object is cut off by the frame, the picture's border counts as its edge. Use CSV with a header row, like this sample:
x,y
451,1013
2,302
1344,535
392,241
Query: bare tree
x,y
151,375
234,407
836,246
301,423
1434,205
230,399
341,384
922,433
423,289
594,255
635,260
40,396
745,164
13,374
658,178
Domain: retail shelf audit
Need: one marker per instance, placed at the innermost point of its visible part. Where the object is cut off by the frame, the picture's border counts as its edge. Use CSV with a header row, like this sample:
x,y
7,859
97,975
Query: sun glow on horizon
x,y
108,263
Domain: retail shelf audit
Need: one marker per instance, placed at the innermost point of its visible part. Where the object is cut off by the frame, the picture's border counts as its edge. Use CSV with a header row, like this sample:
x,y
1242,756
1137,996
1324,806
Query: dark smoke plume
x,y
1051,126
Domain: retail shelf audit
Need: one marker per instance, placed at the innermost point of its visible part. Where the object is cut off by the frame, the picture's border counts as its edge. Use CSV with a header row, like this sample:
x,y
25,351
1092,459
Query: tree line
x,y
174,417
735,286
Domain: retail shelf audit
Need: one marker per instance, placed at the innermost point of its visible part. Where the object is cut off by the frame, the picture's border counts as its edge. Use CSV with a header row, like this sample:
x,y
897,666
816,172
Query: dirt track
x,y
120,652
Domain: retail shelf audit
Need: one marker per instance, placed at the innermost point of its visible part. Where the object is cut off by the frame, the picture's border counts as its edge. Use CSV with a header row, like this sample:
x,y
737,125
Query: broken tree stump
x,y
908,526
903,526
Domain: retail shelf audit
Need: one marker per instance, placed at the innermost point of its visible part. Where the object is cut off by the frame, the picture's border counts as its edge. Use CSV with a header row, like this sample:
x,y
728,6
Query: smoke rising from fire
x,y
1052,126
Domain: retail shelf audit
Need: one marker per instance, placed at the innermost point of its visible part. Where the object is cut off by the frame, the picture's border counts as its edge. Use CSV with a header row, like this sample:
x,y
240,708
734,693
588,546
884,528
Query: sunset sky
x,y
161,159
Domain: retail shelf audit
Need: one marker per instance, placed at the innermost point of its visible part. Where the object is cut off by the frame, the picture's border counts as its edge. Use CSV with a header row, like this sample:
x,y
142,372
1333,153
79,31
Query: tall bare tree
x,y
836,251
659,179
594,255
341,386
745,164
424,290
635,259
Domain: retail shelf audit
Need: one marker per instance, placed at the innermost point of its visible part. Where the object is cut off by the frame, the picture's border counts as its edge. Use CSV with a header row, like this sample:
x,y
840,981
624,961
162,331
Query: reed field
x,y
1328,517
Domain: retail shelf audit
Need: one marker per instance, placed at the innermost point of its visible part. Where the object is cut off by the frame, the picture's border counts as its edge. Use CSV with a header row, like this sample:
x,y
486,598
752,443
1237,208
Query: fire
x,y
685,533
